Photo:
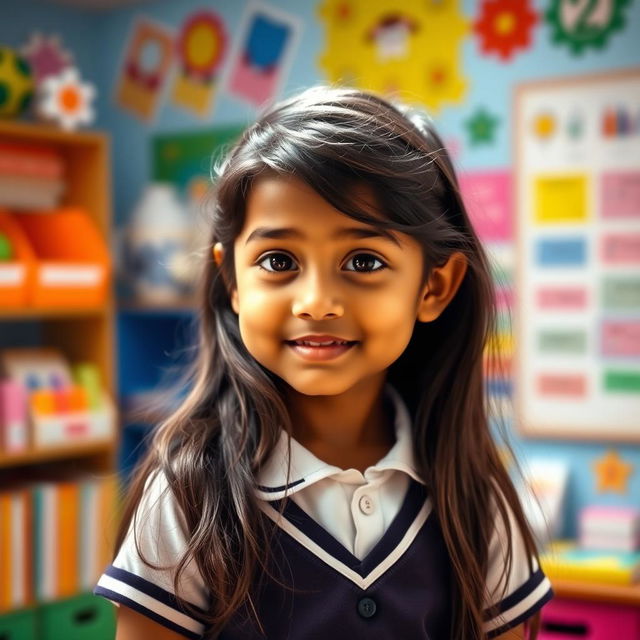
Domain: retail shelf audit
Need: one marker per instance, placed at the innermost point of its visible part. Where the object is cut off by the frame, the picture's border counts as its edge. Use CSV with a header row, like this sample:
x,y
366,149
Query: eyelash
x,y
357,255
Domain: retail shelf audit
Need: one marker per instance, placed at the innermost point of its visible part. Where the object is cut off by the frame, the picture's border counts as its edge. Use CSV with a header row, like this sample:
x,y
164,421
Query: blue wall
x,y
98,41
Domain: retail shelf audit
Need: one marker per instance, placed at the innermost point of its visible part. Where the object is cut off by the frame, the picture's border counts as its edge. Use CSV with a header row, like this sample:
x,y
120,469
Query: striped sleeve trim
x,y
148,599
520,605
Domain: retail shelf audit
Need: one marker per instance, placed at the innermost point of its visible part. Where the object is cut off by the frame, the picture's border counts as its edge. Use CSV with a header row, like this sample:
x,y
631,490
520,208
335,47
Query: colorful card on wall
x,y
200,50
411,50
263,54
578,250
144,72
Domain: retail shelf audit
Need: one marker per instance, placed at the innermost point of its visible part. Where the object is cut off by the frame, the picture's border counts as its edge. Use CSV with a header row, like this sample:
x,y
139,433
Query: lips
x,y
320,347
320,341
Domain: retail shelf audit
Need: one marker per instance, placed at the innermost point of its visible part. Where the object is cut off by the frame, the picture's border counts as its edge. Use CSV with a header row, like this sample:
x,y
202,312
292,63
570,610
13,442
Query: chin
x,y
319,387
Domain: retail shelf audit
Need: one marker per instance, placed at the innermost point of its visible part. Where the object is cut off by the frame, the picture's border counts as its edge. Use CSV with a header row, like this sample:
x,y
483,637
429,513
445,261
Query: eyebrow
x,y
277,233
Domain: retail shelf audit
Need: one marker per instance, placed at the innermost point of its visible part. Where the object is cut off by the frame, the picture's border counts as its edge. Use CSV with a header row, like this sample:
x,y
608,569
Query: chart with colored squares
x,y
577,289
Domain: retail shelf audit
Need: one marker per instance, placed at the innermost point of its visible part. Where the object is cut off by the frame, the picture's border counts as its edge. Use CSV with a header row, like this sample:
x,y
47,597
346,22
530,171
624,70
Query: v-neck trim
x,y
415,511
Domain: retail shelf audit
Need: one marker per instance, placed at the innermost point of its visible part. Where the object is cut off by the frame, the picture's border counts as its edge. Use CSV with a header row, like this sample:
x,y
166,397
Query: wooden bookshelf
x,y
598,592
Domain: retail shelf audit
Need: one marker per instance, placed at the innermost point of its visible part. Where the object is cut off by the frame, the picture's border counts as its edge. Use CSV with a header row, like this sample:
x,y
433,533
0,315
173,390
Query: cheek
x,y
260,317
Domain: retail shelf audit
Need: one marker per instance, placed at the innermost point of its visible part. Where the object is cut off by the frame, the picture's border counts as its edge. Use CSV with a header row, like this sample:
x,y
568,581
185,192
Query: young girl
x,y
331,473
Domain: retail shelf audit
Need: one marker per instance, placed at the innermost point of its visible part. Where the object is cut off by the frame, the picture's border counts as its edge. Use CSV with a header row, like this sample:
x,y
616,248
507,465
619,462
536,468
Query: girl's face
x,y
304,269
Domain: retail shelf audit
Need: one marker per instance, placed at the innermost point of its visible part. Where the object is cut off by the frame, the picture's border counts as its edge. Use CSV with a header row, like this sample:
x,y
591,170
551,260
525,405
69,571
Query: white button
x,y
366,505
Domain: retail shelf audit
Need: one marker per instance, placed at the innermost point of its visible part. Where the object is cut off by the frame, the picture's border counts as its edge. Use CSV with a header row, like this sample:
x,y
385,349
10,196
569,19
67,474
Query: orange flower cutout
x,y
504,26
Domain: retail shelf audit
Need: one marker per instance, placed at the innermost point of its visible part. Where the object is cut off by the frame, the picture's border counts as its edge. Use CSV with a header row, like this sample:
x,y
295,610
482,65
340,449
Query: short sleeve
x,y
160,533
527,590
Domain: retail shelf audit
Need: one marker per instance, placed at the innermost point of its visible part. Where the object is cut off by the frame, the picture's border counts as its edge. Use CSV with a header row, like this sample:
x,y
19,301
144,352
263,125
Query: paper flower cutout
x,y
65,99
504,26
46,56
612,472
584,24
481,126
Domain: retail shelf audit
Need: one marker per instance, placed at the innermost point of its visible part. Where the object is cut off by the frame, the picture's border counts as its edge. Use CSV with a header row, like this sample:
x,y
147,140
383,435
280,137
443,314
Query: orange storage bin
x,y
72,263
16,274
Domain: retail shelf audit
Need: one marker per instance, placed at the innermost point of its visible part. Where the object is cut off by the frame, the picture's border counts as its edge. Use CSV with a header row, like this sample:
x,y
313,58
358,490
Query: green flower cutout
x,y
481,126
584,23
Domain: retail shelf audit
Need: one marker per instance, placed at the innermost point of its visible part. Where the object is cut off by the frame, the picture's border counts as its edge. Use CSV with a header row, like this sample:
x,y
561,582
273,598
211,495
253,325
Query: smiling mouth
x,y
317,351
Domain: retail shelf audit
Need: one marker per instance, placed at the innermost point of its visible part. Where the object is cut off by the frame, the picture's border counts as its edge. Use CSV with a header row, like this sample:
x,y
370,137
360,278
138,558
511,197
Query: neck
x,y
349,430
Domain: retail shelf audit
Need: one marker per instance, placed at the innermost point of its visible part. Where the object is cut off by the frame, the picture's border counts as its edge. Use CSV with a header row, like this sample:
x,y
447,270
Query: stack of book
x,y
31,177
55,539
566,560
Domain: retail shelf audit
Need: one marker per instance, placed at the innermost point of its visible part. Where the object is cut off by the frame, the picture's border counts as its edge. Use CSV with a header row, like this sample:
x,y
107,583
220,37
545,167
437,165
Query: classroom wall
x,y
98,41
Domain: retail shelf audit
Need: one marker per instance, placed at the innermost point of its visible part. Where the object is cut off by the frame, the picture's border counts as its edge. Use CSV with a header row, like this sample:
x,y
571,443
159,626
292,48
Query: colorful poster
x,y
578,258
410,50
200,51
145,68
263,54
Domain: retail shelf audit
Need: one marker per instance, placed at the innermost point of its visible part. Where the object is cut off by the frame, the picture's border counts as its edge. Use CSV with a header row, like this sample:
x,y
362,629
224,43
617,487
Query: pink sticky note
x,y
620,194
621,338
562,385
618,248
487,196
565,298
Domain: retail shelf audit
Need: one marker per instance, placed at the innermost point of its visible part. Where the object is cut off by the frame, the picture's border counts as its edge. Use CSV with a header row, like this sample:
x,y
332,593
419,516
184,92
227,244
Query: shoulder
x,y
515,585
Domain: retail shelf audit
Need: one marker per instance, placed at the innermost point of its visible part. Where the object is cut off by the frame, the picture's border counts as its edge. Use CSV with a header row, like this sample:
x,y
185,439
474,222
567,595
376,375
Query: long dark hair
x,y
211,447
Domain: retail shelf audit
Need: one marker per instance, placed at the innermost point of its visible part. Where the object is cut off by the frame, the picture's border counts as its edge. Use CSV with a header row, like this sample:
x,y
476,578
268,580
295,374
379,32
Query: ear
x,y
218,255
441,287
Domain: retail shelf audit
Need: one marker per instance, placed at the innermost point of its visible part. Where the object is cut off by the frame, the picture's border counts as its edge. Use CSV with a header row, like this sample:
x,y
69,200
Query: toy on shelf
x,y
65,100
16,83
61,408
158,241
608,528
46,56
31,177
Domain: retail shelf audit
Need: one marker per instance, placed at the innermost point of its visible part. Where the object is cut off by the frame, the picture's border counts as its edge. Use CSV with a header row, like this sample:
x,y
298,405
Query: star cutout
x,y
612,472
481,126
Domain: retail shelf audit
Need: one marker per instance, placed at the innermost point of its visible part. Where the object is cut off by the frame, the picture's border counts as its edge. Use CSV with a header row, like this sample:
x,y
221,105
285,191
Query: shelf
x,y
40,132
598,592
36,314
180,305
42,456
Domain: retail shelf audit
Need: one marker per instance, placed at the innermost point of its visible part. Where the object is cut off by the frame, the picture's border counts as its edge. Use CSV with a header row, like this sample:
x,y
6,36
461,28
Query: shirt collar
x,y
306,469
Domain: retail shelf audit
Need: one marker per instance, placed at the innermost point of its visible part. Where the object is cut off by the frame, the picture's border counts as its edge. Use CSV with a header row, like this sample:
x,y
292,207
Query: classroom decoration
x,y
481,127
579,25
46,56
16,83
504,26
263,53
578,221
201,47
66,100
612,473
145,69
31,177
410,50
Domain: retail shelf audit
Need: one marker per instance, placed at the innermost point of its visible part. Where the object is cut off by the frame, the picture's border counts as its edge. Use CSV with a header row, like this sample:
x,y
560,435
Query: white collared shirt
x,y
355,508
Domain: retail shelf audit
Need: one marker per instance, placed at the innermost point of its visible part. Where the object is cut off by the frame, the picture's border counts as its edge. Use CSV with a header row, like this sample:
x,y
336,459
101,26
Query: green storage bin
x,y
18,625
84,617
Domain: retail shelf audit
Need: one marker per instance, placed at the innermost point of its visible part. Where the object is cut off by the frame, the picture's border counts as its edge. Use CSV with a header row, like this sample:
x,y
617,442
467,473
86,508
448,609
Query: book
x,y
565,560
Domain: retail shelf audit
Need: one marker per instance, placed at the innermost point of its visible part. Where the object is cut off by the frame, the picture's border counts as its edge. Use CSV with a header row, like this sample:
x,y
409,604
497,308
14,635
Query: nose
x,y
317,298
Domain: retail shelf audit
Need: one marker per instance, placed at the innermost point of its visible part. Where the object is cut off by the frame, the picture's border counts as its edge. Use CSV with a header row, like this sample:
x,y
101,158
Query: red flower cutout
x,y
504,26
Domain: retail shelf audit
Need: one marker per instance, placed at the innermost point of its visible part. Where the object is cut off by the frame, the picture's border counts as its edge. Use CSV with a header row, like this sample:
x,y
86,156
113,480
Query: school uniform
x,y
360,555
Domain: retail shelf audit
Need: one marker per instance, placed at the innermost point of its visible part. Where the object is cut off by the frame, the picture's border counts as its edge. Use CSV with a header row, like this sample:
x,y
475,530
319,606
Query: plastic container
x,y
72,263
79,618
16,274
19,625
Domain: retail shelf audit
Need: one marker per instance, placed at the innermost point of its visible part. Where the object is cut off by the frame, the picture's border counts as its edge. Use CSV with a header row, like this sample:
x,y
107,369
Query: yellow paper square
x,y
560,199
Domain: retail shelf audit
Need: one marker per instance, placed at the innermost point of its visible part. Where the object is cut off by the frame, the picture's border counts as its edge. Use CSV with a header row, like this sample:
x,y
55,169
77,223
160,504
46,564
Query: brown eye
x,y
276,262
366,263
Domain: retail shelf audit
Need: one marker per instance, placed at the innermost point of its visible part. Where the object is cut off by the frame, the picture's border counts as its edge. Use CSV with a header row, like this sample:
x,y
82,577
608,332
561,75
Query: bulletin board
x,y
577,285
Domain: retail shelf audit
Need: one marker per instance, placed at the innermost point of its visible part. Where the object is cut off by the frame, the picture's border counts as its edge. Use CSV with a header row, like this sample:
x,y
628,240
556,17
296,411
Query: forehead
x,y
277,201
